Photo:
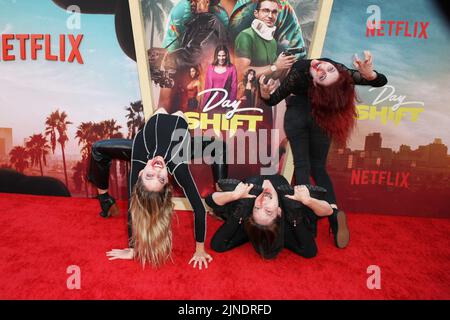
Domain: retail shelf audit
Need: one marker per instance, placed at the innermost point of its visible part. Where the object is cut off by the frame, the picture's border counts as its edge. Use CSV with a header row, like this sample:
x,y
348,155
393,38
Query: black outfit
x,y
309,143
202,32
296,232
166,136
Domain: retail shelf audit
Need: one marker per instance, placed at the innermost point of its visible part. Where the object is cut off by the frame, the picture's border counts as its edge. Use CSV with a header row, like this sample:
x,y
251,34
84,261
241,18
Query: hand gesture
x,y
126,254
284,62
242,191
365,67
301,194
268,88
202,258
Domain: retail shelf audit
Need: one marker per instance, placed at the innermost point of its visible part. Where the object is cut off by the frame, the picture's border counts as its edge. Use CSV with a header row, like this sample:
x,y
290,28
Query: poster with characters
x,y
206,58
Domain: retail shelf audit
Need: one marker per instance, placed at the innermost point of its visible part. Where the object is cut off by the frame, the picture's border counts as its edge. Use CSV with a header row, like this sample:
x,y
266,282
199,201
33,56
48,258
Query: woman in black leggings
x,y
322,108
161,148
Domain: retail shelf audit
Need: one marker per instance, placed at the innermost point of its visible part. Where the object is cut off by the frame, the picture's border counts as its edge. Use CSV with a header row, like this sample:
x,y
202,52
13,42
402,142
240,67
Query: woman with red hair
x,y
322,108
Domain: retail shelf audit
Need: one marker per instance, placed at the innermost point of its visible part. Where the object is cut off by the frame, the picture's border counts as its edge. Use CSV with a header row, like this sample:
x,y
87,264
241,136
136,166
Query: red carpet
x,y
42,236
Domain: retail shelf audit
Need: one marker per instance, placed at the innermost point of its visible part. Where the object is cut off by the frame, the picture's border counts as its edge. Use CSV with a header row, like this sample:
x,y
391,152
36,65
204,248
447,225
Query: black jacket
x,y
232,233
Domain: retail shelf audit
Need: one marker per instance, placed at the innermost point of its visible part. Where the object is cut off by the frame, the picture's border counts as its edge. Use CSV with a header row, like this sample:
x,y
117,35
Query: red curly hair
x,y
334,106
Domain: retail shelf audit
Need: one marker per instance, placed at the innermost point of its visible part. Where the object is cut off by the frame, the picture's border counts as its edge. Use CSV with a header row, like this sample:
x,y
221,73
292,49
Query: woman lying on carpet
x,y
159,149
266,211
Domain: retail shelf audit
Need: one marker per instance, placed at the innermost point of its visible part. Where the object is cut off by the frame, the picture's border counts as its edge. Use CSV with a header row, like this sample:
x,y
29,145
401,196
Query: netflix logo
x,y
376,27
397,28
27,46
375,177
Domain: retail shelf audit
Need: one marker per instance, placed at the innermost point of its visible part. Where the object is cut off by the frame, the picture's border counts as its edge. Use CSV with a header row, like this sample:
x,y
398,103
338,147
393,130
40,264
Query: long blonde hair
x,y
151,214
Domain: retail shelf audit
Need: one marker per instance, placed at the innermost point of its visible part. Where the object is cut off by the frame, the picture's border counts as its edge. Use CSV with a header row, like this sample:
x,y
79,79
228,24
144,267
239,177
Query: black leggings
x,y
309,145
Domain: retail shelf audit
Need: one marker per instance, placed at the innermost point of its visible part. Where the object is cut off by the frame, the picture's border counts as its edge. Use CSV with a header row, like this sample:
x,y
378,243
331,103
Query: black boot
x,y
108,205
339,228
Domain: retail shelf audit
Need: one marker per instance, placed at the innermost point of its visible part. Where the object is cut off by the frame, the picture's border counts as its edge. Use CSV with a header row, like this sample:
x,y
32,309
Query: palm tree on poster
x,y
18,157
55,123
86,135
135,118
38,149
111,131
156,11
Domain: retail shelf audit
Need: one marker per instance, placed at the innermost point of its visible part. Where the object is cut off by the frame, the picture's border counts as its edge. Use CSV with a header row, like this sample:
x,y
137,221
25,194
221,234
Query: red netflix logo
x,y
388,178
29,44
397,28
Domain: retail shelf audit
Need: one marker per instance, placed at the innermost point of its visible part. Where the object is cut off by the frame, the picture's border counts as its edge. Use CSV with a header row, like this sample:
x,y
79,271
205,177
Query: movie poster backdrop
x,y
397,161
66,81
186,40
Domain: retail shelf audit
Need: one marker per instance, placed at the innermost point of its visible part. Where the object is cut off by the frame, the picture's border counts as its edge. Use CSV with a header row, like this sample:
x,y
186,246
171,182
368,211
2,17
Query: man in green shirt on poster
x,y
256,47
236,15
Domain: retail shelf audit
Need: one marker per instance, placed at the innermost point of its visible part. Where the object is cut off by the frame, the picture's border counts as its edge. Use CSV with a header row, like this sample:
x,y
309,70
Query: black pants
x,y
310,146
103,152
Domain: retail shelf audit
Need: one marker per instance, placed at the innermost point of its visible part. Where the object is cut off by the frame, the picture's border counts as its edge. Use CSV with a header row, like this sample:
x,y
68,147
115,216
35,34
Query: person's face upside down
x,y
154,175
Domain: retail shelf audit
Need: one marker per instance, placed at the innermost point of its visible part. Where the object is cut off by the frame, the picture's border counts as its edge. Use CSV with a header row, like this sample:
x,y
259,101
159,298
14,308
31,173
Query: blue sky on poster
x,y
95,91
417,68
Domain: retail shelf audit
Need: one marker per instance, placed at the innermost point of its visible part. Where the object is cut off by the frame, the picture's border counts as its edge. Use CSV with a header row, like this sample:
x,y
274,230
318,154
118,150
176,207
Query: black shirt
x,y
235,218
276,180
167,136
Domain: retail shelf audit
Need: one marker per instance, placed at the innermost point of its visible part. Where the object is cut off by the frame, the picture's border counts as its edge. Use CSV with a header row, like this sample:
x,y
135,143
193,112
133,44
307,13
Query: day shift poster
x,y
183,38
